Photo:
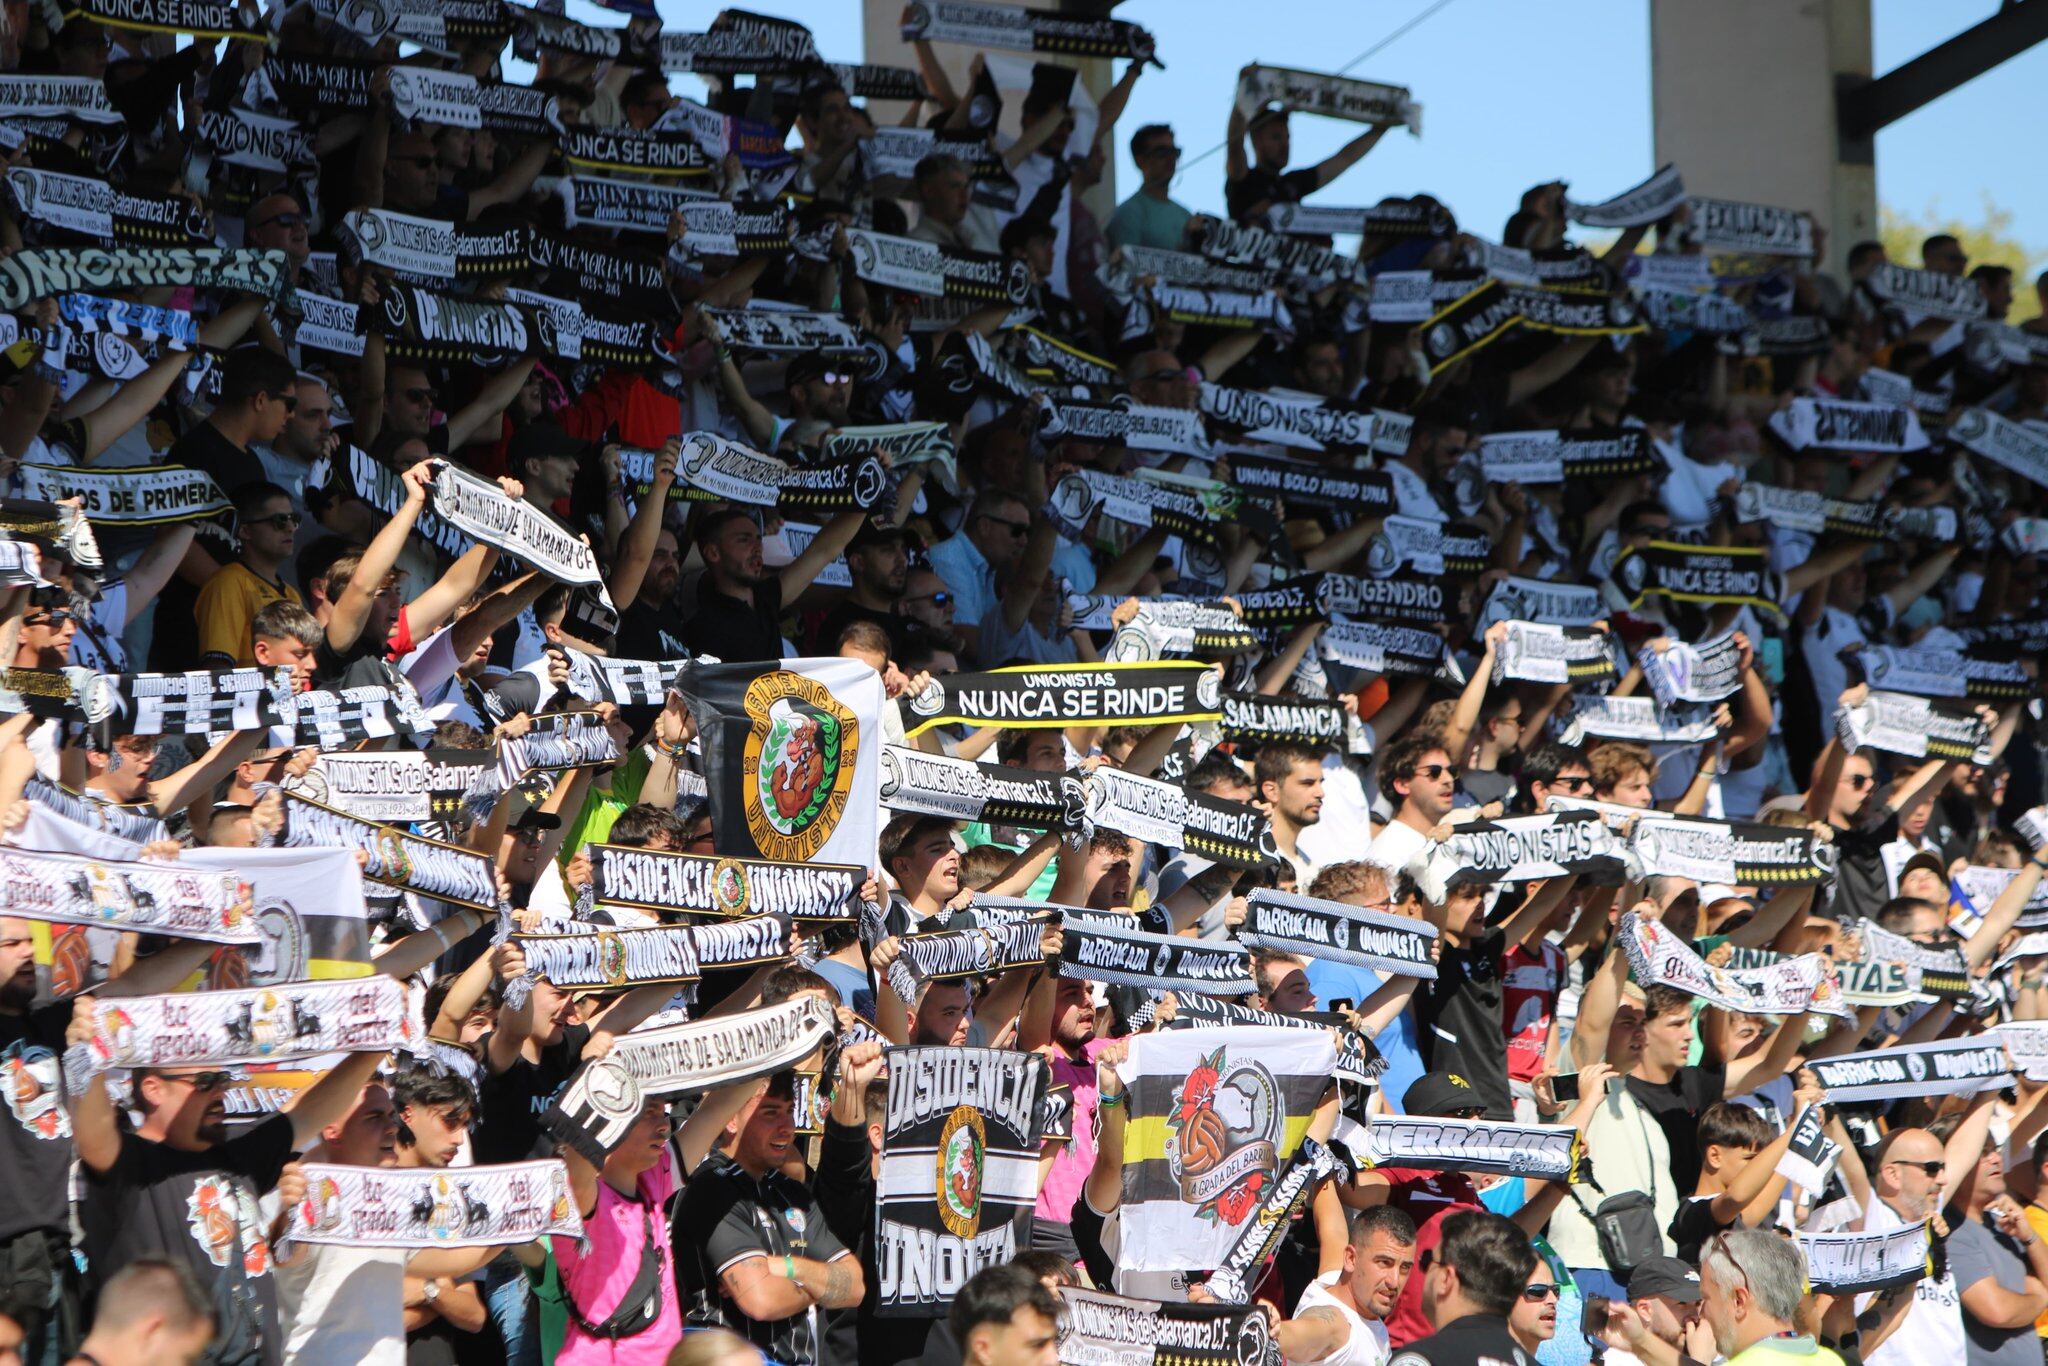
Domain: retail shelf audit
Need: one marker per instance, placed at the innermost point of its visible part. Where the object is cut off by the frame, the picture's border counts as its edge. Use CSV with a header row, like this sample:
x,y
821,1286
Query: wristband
x,y
789,1266
1106,1101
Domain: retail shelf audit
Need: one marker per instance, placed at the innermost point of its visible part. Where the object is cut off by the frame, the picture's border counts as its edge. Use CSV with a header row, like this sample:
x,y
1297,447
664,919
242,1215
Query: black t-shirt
x,y
202,448
826,641
198,1208
35,1139
1459,1015
511,1102
844,1186
1693,1224
647,631
362,665
728,1216
734,631
1257,186
1860,884
1466,1342
1676,1107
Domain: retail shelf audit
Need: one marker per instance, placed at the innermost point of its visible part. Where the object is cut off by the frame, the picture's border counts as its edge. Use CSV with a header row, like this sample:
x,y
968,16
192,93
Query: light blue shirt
x,y
967,573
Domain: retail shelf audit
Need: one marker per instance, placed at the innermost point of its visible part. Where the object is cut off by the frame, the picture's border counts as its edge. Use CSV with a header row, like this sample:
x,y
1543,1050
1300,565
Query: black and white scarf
x,y
1946,1067
1685,674
387,1207
1535,653
1733,576
1099,948
1139,425
1289,923
2013,445
1427,547
1263,719
1943,673
1752,229
623,205
966,790
1916,727
621,148
1635,718
955,955
1857,1263
726,470
396,859
1407,650
718,228
374,786
141,897
481,510
1810,1156
1546,1152
623,682
1925,293
201,702
1136,501
1391,219
1305,262
1656,198
776,331
603,1101
1833,424
356,475
1419,600
200,18
1165,814
1046,357
1061,695
1013,28
1790,986
657,880
422,325
1280,1204
1335,97
1550,457
1100,1327
1519,599
137,824
334,718
1368,492
154,495
283,1021
1182,630
557,741
937,271
1494,309
607,959
1526,848
893,154
628,276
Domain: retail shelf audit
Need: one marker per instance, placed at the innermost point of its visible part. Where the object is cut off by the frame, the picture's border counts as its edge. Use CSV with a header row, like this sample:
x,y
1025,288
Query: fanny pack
x,y
1626,1226
640,1306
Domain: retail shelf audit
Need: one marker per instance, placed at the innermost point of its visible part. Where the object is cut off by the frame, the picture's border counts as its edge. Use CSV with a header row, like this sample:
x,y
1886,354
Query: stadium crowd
x,y
647,731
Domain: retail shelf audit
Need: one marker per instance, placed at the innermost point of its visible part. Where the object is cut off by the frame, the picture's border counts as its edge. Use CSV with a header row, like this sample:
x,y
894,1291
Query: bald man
x,y
1907,1185
151,1313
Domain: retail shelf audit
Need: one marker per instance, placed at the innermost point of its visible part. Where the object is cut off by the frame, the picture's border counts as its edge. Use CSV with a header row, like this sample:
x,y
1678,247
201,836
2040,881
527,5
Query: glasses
x,y
834,377
55,617
1536,1294
529,834
419,395
1434,771
283,521
206,1081
1858,781
1165,376
1575,783
1932,1169
1721,1243
1466,1112
1015,528
938,599
283,220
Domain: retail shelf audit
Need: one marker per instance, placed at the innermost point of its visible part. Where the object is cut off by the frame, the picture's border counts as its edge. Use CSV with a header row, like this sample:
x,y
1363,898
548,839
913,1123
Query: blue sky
x,y
1474,66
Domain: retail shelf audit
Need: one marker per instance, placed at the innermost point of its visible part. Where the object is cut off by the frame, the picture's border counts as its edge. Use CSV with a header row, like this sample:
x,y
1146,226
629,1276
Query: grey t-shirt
x,y
1975,1252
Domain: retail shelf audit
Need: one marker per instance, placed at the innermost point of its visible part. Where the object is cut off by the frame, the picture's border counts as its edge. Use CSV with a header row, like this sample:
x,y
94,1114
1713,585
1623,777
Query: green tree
x,y
1989,241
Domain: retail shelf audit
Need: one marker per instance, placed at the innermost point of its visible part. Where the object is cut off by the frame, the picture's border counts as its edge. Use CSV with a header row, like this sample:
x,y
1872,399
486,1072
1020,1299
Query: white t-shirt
x,y
1368,1343
1396,846
1933,1330
342,1303
1346,824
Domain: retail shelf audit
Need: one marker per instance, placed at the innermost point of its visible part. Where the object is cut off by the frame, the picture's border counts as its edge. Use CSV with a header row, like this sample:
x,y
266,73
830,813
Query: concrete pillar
x,y
1744,103
883,44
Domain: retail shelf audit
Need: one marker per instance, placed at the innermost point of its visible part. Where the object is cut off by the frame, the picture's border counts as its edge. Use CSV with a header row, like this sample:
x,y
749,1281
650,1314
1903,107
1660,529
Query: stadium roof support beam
x,y
1862,108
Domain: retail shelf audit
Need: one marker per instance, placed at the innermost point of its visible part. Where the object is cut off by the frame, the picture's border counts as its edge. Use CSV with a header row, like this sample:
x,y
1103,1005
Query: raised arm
x,y
1347,156
345,625
636,547
825,547
490,402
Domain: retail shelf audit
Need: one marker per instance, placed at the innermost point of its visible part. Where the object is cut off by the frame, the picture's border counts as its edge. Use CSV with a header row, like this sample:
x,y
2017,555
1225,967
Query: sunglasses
x,y
421,395
283,220
1932,1169
1466,1112
207,1081
529,834
834,377
938,599
55,617
1574,784
1858,781
1016,528
283,521
1434,771
1536,1294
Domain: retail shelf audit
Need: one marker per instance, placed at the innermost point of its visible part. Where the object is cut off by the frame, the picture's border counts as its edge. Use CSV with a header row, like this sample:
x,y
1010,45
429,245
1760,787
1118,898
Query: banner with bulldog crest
x,y
792,757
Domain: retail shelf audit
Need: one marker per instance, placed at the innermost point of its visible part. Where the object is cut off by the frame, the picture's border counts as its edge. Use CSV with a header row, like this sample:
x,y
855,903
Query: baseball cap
x,y
1932,862
872,532
540,441
533,818
1439,1093
1666,1276
812,364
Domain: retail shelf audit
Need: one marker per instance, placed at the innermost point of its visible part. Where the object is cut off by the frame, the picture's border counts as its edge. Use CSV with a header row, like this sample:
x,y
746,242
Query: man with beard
x,y
1339,1319
881,567
738,612
1289,778
1072,1057
178,1187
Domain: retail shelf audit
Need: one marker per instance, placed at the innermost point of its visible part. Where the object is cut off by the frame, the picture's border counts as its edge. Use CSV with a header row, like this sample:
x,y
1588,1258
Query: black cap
x,y
540,441
1439,1093
872,532
533,818
1666,1276
809,365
